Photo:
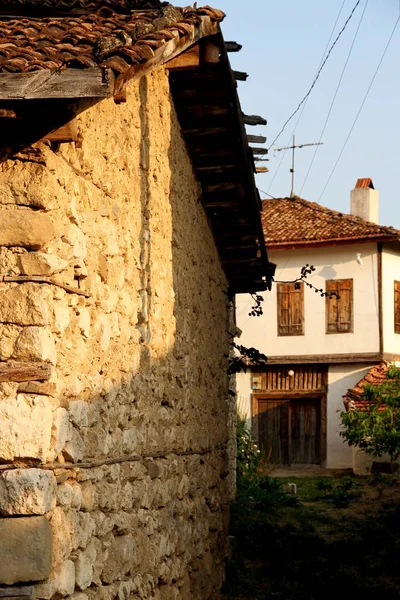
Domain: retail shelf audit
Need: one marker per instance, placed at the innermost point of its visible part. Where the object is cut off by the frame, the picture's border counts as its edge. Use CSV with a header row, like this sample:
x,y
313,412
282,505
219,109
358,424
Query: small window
x,y
339,306
397,306
290,304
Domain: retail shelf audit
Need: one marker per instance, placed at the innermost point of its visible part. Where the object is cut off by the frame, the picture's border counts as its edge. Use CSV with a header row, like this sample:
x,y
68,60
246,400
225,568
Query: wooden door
x,y
305,432
289,430
273,430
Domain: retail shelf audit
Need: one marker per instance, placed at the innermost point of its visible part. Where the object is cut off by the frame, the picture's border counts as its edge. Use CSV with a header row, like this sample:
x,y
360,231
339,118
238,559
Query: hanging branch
x,y
241,361
304,273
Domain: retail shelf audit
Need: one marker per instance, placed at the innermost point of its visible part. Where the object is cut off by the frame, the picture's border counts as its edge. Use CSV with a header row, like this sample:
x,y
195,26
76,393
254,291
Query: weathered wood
x,y
190,59
209,52
26,371
17,593
240,75
367,357
233,47
44,279
262,151
261,170
254,120
66,133
256,139
54,83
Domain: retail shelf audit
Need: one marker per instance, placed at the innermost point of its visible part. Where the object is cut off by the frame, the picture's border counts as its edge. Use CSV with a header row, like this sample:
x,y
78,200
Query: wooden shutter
x,y
397,306
339,310
290,303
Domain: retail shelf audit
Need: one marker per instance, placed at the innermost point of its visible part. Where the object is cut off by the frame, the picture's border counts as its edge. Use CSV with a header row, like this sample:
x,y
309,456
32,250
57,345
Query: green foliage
x,y
376,430
248,453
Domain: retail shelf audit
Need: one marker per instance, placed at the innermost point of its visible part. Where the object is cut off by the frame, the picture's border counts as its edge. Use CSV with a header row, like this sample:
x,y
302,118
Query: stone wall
x,y
126,450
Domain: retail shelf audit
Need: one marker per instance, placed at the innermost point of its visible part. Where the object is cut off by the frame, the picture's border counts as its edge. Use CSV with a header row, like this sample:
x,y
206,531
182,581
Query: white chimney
x,y
364,201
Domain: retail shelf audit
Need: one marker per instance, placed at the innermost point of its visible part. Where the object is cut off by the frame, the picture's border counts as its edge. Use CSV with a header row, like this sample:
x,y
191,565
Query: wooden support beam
x,y
256,139
66,133
52,83
259,150
240,76
45,279
187,60
262,170
24,371
17,593
233,47
254,120
209,52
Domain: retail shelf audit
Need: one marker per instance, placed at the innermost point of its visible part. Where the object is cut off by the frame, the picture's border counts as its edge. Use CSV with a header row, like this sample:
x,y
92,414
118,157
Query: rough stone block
x,y
74,449
26,228
121,558
79,411
25,427
25,304
25,549
84,566
35,343
38,263
27,492
61,581
61,430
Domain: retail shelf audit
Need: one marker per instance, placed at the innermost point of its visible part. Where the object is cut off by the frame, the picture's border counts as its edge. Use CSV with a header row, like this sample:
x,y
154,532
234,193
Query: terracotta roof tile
x,y
294,221
366,182
353,398
110,33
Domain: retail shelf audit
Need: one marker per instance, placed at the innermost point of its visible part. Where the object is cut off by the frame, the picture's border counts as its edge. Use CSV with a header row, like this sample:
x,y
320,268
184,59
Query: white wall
x,y
340,379
243,391
337,262
390,273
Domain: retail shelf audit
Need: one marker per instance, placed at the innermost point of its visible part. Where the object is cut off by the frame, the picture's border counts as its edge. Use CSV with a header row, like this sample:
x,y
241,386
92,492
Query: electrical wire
x,y
305,104
361,107
318,73
334,97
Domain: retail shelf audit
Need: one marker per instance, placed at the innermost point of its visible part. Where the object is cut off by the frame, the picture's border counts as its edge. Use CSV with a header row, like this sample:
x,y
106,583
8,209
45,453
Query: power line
x,y
362,106
305,103
334,97
318,73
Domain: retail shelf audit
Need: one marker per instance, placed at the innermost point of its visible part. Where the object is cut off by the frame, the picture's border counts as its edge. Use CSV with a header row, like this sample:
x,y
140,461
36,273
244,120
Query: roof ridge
x,y
88,5
340,215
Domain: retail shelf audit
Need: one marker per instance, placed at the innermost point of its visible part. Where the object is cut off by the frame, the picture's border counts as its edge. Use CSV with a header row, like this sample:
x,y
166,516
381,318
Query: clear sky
x,y
283,44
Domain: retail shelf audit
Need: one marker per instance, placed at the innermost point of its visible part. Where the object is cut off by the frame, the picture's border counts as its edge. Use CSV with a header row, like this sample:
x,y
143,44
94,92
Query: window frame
x,y
288,330
396,322
337,285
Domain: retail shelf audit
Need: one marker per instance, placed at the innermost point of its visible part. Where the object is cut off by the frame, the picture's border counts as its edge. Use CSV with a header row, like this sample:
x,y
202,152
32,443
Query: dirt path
x,y
319,548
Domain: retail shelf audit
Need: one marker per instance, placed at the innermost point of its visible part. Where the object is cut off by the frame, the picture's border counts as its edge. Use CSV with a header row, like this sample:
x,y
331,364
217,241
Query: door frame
x,y
289,396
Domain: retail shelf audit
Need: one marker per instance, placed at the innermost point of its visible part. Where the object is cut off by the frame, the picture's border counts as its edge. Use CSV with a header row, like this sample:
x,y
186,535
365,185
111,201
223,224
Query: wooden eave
x,y
213,125
303,244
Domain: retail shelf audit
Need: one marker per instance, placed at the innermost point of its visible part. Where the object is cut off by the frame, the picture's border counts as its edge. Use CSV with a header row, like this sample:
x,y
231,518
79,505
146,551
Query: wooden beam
x,y
187,60
367,357
66,133
52,83
254,120
45,279
233,47
259,150
209,52
24,371
240,75
256,139
262,170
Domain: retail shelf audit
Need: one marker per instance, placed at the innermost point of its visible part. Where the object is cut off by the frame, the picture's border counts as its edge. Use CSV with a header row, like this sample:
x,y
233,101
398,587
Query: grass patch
x,y
335,538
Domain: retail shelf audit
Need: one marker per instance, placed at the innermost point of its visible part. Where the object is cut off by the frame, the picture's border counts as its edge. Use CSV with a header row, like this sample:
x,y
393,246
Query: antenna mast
x,y
293,148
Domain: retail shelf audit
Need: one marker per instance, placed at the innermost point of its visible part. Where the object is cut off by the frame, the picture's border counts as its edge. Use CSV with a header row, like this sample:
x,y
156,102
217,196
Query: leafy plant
x,y
248,453
376,427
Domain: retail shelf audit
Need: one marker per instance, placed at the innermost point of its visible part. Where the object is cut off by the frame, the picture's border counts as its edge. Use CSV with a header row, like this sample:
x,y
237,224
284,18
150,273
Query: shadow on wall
x,y
144,511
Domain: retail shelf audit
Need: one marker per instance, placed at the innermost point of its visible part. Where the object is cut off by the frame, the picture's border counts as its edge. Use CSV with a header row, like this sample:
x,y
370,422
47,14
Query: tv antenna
x,y
293,147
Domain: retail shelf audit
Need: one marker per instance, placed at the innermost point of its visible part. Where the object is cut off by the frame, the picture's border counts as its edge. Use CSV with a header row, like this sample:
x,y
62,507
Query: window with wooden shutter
x,y
339,307
290,308
397,306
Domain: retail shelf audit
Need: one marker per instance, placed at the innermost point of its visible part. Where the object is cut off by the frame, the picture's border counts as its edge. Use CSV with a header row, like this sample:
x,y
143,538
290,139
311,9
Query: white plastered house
x,y
319,347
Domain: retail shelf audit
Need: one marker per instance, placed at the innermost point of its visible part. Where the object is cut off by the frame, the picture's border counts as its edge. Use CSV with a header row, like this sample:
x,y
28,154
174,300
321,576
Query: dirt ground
x,y
340,536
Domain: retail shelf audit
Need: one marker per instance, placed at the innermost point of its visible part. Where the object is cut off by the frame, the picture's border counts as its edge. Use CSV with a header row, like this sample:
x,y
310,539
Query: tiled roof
x,y
294,221
107,33
366,182
375,376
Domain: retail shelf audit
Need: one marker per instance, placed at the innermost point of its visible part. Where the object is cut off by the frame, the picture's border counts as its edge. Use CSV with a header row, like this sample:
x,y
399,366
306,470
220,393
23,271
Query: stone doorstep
x,y
17,593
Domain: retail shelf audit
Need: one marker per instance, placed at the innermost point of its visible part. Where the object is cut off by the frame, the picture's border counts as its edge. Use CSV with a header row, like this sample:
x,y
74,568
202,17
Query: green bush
x,y
248,453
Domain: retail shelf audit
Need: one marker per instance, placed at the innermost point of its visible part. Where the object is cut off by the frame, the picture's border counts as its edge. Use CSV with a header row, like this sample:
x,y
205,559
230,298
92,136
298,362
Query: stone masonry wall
x,y
123,451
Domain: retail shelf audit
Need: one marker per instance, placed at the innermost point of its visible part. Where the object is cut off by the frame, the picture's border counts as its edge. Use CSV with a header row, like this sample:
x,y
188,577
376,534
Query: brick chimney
x,y
364,201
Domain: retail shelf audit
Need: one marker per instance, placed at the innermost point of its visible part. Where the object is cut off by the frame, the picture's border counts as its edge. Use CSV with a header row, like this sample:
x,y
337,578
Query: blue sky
x,y
283,43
